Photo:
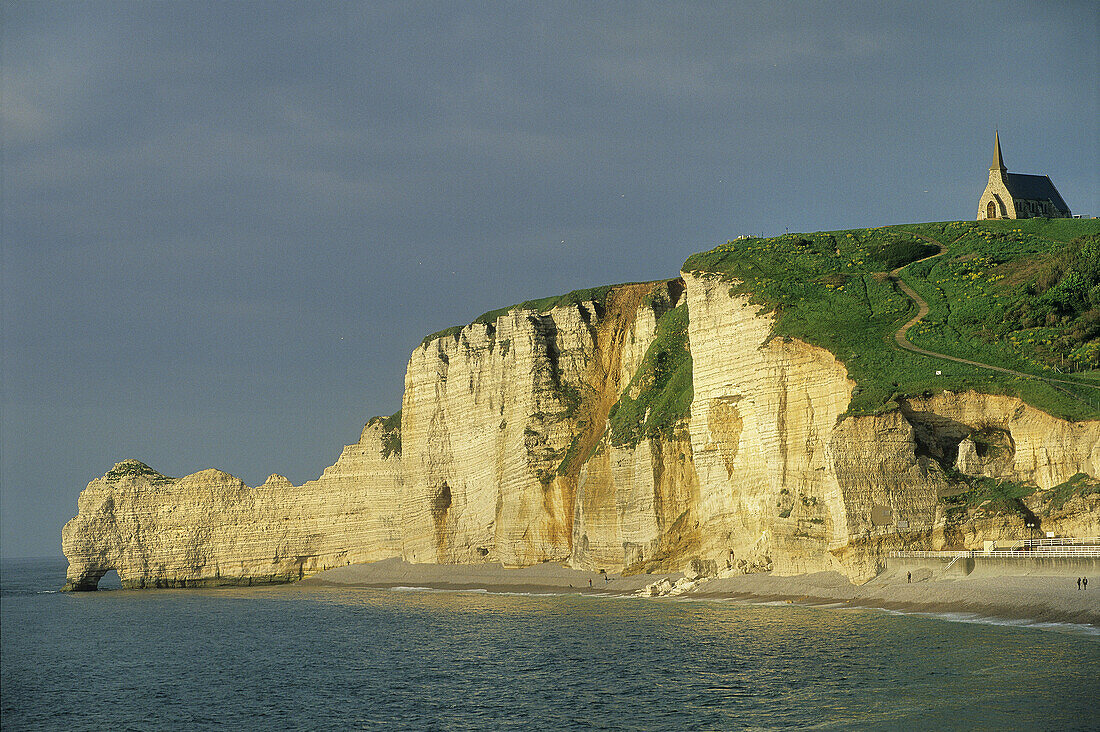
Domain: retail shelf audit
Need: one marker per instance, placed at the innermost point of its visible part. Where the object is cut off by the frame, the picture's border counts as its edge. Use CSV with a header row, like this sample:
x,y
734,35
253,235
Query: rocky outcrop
x,y
211,529
502,452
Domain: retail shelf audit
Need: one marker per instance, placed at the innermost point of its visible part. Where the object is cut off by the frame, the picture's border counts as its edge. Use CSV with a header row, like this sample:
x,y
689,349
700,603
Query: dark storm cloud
x,y
227,224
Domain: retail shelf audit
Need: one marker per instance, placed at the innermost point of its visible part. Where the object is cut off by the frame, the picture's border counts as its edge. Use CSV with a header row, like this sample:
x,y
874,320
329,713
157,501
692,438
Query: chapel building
x,y
1018,196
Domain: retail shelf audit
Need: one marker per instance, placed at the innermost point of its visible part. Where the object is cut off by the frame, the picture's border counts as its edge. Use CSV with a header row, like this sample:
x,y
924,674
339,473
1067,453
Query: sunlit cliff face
x,y
504,452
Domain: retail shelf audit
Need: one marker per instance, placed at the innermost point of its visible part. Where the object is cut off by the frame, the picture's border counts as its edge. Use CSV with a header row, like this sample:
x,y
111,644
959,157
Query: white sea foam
x,y
1085,629
974,618
954,617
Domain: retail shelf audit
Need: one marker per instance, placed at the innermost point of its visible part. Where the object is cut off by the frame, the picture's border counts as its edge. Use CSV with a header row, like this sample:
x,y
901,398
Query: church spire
x,y
998,163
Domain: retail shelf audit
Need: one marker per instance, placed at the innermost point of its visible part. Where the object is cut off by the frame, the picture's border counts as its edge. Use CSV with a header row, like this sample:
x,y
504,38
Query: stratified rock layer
x,y
491,414
211,529
503,454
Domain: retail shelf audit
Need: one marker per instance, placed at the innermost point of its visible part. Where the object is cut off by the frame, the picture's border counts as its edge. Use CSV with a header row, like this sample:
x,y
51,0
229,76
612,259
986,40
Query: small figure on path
x,y
1084,583
590,583
1078,583
909,577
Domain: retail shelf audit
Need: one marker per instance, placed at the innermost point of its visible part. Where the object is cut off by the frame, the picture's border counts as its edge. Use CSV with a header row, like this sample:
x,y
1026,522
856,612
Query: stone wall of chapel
x,y
997,191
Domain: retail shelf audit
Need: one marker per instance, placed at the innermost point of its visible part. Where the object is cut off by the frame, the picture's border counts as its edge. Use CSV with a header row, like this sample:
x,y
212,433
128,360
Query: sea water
x,y
318,658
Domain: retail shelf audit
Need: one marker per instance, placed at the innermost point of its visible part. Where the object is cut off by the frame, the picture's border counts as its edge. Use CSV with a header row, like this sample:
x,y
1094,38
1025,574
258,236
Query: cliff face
x,y
503,453
786,485
211,529
495,418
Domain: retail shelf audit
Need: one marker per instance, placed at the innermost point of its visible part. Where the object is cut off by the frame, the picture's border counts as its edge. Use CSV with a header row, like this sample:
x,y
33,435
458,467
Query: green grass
x,y
1079,485
826,288
1014,295
136,469
391,433
661,387
995,496
1002,496
541,305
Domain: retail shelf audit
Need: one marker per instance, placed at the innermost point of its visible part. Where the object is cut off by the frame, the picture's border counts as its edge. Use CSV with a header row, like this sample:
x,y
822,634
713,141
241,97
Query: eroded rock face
x,y
497,418
211,529
635,507
1007,438
761,426
503,454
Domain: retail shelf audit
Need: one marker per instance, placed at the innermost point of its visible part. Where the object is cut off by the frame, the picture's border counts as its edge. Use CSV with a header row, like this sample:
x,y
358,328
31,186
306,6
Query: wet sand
x,y
1036,598
544,578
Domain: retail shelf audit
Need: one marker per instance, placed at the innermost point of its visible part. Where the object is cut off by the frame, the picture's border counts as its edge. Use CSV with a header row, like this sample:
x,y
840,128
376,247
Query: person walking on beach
x,y
909,577
1084,583
1078,584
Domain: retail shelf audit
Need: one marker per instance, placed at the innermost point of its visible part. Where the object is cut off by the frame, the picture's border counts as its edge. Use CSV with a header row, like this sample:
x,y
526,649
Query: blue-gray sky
x,y
226,225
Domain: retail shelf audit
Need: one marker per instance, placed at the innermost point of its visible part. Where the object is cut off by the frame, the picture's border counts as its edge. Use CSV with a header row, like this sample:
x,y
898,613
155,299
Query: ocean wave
x,y
1082,629
961,617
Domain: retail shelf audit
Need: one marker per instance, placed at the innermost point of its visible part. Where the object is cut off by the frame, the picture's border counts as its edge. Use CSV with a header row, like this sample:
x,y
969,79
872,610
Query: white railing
x,y
1064,551
931,555
1062,541
1069,551
951,564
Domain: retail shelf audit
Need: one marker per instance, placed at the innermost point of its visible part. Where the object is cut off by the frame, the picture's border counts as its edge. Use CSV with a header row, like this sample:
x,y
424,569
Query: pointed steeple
x,y
998,163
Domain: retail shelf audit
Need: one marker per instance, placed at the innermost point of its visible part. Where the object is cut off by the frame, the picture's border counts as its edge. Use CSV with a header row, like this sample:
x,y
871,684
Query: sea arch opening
x,y
91,580
109,581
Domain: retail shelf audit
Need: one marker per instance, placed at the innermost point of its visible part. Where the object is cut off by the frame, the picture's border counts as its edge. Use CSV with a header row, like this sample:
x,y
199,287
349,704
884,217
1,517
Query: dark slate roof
x,y
1034,188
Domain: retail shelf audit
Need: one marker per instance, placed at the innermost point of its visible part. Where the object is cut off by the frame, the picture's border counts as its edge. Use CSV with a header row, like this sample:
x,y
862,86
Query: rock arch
x,y
88,580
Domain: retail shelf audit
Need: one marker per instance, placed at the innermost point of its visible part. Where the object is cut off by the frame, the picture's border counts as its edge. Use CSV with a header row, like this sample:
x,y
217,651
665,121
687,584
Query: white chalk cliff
x,y
502,453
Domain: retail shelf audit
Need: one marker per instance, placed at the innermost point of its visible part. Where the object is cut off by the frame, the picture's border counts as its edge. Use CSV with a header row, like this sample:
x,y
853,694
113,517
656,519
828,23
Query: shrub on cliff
x,y
660,391
135,469
391,433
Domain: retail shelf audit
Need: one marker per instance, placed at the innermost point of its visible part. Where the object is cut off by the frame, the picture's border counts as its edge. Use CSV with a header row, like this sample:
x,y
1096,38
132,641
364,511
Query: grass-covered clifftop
x,y
1021,295
1016,294
592,294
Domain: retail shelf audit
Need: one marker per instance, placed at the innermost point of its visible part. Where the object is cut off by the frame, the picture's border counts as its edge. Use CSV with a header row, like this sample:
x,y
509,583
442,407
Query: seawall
x,y
1000,567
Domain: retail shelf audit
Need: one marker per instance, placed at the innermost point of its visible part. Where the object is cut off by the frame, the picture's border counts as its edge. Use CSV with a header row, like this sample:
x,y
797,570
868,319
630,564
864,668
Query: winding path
x,y
902,337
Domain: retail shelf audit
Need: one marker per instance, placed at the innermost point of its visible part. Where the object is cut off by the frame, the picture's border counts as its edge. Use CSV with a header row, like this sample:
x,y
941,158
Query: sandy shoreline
x,y
1035,598
541,578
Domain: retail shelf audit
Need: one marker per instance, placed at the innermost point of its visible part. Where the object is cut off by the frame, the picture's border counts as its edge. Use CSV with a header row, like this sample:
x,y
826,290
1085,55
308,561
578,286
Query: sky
x,y
225,226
